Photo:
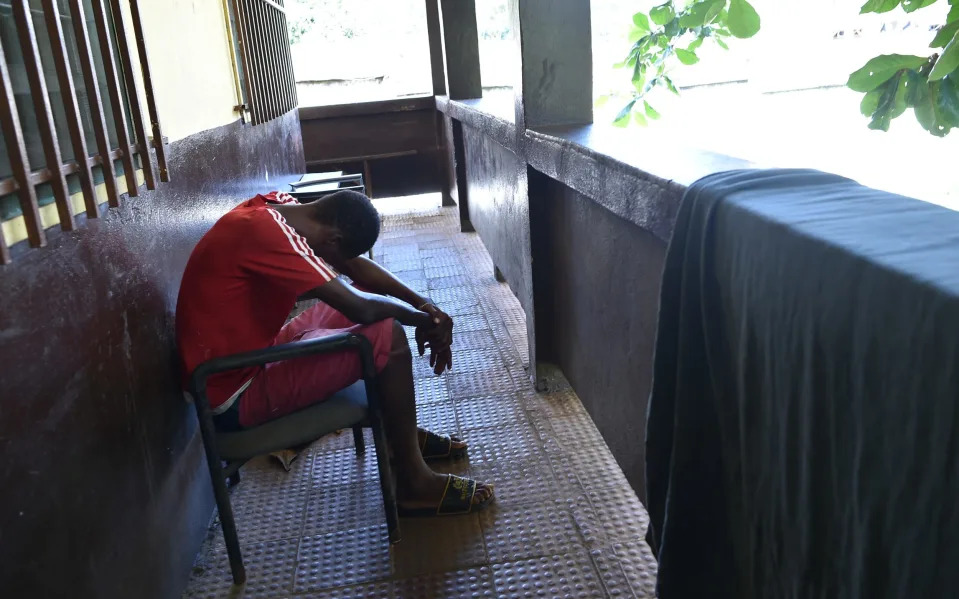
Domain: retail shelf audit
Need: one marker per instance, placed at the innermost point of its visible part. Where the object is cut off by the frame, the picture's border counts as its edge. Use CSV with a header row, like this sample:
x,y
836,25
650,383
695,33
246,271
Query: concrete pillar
x,y
435,31
461,49
555,84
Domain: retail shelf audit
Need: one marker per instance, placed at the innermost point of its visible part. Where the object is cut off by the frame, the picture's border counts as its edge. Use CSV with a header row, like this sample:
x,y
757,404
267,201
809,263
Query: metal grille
x,y
86,41
265,55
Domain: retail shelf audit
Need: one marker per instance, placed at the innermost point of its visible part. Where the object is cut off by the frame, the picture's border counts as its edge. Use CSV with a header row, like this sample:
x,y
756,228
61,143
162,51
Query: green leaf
x,y
916,88
715,9
670,85
641,21
622,119
639,76
686,57
870,102
695,16
948,60
696,43
948,102
900,99
721,44
892,103
925,111
945,34
602,100
640,119
635,35
953,14
650,111
879,6
914,5
880,69
743,20
662,14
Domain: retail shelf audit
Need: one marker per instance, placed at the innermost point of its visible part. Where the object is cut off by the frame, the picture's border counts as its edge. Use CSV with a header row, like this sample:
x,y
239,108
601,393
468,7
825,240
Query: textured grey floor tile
x,y
269,569
372,590
477,361
486,412
440,279
518,482
575,430
344,466
438,417
469,322
480,384
434,545
569,576
269,503
472,340
461,293
466,583
620,513
431,389
531,530
503,445
342,558
612,575
349,506
640,567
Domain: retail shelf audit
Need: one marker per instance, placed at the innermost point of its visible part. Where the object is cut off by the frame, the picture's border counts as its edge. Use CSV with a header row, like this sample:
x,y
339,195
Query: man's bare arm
x,y
373,277
367,308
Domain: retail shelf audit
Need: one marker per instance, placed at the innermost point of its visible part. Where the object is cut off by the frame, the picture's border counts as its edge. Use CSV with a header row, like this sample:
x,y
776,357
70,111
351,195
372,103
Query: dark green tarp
x,y
803,430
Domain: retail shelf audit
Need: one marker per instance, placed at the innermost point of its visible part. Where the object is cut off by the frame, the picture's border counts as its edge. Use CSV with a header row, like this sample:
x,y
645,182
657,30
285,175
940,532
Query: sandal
x,y
457,500
440,447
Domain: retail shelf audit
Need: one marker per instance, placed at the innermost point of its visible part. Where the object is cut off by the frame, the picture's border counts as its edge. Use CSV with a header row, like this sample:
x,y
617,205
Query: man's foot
x,y
437,447
443,495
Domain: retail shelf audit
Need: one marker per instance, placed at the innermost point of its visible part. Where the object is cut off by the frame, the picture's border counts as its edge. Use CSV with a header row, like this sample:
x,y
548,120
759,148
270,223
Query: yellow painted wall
x,y
188,45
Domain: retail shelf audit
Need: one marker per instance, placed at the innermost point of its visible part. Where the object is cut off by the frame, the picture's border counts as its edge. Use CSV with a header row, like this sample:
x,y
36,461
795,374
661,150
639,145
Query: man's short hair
x,y
355,216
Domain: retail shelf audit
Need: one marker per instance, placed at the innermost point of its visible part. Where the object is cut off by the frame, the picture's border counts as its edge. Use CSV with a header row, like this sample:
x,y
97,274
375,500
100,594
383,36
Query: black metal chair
x,y
351,408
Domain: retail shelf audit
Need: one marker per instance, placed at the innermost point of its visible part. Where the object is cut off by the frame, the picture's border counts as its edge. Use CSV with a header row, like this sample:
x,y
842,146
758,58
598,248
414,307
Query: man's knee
x,y
400,349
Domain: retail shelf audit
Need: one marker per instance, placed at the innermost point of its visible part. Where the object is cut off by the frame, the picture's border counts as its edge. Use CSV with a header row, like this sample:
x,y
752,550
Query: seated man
x,y
240,284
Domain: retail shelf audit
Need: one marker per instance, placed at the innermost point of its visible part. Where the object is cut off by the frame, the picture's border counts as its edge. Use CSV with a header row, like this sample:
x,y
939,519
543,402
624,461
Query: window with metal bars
x,y
262,49
72,131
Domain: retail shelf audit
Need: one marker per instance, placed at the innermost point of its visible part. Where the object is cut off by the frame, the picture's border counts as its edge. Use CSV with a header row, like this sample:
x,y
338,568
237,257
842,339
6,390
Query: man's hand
x,y
438,339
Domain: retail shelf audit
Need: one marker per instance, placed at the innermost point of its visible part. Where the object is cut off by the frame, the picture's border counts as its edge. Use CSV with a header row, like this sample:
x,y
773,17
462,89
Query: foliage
x,y
673,32
668,35
893,83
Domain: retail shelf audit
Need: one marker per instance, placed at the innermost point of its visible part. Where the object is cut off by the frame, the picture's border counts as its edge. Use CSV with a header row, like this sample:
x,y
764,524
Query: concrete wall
x,y
579,232
106,492
499,209
596,318
189,44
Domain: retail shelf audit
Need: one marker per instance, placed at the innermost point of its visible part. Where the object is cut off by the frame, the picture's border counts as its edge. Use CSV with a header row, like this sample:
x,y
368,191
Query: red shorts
x,y
285,387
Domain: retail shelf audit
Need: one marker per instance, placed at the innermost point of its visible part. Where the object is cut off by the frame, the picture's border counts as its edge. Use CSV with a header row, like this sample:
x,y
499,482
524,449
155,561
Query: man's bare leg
x,y
417,485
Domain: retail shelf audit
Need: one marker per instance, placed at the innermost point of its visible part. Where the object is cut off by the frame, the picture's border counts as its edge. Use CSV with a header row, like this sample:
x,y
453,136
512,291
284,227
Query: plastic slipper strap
x,y
437,445
458,496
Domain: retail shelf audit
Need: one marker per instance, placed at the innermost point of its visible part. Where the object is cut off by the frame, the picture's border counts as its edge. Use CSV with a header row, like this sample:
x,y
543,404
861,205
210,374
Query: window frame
x,y
263,59
109,31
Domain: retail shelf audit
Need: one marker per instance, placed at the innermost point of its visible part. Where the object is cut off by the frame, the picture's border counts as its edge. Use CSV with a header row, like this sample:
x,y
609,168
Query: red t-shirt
x,y
239,286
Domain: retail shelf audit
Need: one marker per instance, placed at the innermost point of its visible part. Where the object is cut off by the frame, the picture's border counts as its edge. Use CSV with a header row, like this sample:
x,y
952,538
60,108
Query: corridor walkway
x,y
566,523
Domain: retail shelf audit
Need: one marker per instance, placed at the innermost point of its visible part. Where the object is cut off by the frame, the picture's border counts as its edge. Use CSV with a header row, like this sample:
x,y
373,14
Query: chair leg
x,y
358,441
386,475
222,497
233,480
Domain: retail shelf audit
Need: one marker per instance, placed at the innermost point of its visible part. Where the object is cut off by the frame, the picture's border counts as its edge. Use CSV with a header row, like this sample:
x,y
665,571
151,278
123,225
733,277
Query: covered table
x,y
803,431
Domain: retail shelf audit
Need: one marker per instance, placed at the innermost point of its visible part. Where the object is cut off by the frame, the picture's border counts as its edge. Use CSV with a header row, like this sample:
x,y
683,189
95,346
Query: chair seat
x,y
343,410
